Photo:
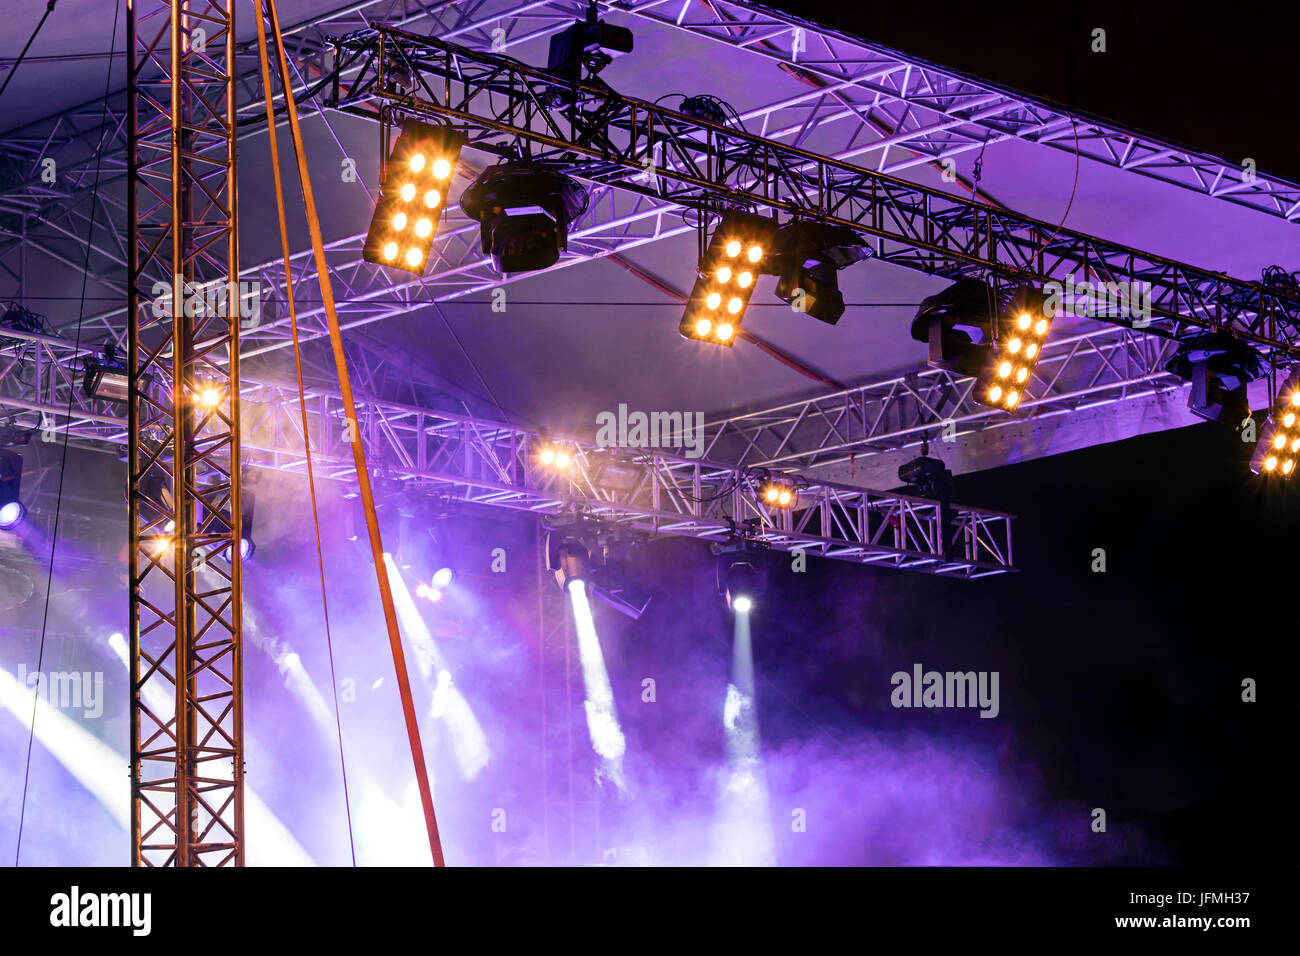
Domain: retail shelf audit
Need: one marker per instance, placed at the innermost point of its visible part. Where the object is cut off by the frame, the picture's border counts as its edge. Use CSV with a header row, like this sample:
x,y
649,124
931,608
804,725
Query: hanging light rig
x,y
1018,343
413,194
729,267
1278,449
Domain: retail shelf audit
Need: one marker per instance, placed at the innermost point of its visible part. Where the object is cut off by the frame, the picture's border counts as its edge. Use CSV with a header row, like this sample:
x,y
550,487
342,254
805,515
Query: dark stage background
x,y
1217,81
1119,690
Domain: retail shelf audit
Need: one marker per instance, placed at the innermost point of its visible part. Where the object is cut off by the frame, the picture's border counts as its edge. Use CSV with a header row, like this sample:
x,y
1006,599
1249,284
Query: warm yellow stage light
x,y
724,331
733,248
417,162
755,253
735,305
414,256
408,192
724,274
441,169
390,251
399,221
744,279
703,327
432,198
714,300
423,227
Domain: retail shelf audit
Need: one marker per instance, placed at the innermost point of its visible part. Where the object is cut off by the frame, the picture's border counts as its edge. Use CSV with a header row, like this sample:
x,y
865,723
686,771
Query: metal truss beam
x,y
1101,366
489,463
901,111
183,450
936,113
461,271
606,137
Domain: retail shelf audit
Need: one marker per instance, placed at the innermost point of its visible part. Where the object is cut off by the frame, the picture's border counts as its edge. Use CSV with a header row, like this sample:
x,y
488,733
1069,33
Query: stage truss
x,y
183,459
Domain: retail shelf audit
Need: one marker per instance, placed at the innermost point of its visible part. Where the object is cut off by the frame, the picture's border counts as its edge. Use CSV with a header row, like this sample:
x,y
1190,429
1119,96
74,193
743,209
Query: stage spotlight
x,y
741,575
1219,366
777,491
957,325
219,523
246,544
1021,333
1278,450
927,477
570,559
554,456
736,255
209,396
11,479
807,256
442,578
108,379
588,43
416,180
524,210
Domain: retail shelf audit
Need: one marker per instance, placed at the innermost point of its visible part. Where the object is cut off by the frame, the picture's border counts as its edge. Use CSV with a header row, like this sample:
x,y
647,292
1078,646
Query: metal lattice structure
x,y
607,137
1101,366
490,463
184,452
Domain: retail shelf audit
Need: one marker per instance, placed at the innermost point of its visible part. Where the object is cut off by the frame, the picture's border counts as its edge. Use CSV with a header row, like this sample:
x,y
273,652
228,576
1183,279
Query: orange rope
x,y
302,406
358,452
